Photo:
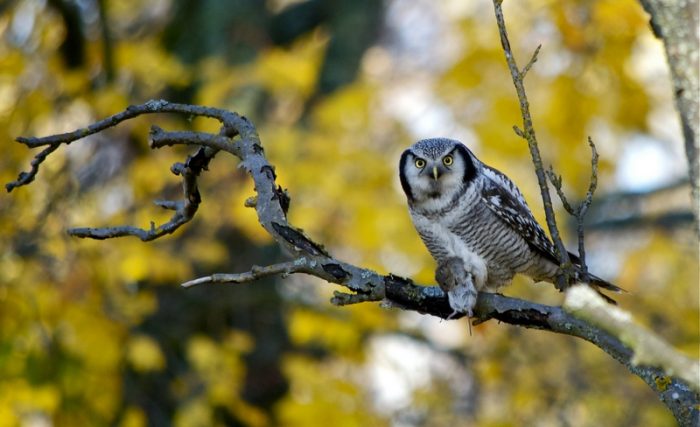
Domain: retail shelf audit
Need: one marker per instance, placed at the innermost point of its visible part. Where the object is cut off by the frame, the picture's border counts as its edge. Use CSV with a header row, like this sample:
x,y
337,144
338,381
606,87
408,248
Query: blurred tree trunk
x,y
676,23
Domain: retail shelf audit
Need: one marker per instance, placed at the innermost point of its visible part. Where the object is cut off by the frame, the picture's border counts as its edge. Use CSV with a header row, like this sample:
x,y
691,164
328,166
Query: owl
x,y
476,224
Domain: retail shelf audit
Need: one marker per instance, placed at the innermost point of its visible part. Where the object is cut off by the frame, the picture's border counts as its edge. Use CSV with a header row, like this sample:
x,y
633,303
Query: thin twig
x,y
150,107
25,178
583,207
580,211
557,184
159,138
256,272
185,209
531,62
528,133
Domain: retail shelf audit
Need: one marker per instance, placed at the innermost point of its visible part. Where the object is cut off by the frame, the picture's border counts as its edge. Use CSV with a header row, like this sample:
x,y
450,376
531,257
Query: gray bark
x,y
675,22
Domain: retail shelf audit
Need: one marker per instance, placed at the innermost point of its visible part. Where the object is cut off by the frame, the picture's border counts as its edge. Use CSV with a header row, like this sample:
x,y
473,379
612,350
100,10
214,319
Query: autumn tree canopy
x,y
98,333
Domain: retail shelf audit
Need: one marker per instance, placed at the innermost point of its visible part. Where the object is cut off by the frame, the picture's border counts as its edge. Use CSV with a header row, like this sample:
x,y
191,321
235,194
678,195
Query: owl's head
x,y
433,169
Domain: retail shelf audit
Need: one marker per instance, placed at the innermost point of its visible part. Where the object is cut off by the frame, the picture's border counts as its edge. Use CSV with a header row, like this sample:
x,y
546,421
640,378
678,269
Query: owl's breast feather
x,y
442,244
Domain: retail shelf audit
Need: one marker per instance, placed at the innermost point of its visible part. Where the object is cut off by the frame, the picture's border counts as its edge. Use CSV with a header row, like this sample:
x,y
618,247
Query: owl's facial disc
x,y
433,171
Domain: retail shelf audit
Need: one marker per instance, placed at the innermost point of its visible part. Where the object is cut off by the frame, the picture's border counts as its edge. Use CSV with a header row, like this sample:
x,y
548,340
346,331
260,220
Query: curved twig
x,y
578,212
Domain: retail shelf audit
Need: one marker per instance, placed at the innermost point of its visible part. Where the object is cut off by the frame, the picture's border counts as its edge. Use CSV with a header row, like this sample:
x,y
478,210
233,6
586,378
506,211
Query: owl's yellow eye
x,y
447,160
420,163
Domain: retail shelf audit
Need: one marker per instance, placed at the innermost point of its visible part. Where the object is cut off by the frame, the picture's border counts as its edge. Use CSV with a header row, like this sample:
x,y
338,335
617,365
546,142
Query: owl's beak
x,y
436,173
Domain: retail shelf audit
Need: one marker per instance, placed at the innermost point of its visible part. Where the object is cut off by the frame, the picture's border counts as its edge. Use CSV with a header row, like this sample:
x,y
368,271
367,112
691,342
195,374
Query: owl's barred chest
x,y
472,233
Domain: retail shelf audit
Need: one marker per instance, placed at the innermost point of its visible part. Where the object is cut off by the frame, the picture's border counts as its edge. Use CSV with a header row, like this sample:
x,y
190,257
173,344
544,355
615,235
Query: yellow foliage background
x,y
99,333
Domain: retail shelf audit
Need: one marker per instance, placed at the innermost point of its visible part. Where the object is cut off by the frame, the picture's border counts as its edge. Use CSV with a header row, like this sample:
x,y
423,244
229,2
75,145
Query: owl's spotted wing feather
x,y
504,199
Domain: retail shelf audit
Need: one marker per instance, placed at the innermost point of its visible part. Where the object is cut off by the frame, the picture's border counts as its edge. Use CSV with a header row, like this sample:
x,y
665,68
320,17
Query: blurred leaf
x,y
144,354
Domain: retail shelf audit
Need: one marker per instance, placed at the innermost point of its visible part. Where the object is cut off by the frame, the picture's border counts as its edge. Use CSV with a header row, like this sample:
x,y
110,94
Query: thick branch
x,y
648,348
678,391
676,23
680,397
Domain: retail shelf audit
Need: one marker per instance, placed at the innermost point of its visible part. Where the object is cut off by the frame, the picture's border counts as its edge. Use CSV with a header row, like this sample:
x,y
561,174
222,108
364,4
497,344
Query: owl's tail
x,y
597,283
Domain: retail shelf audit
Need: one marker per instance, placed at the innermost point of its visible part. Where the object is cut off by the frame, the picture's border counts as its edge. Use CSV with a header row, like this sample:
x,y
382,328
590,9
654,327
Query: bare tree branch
x,y
579,213
686,412
25,178
528,133
669,374
299,265
239,137
648,348
531,62
52,142
186,208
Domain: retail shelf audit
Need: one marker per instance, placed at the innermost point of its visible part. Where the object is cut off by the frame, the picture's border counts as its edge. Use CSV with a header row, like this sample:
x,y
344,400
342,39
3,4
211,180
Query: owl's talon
x,y
462,299
458,313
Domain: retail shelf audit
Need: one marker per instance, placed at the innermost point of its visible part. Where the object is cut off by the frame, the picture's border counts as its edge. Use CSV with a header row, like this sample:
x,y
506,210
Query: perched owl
x,y
476,224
